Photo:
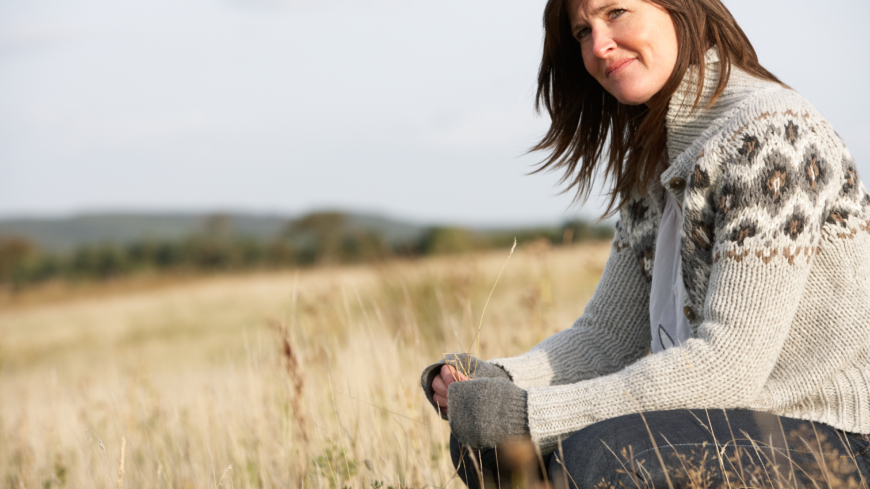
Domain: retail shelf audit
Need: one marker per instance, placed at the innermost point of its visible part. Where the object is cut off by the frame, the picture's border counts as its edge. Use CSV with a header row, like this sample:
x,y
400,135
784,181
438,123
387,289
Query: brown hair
x,y
584,115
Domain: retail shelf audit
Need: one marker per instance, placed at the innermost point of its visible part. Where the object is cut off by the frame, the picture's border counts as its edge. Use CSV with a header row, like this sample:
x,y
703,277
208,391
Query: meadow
x,y
303,378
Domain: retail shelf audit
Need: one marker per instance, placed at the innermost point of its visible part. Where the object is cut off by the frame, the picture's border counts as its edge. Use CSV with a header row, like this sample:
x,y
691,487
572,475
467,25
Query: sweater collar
x,y
685,126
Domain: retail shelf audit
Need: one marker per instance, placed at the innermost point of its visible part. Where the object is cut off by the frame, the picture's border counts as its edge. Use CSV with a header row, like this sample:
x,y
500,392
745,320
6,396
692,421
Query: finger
x,y
448,372
441,401
439,386
449,375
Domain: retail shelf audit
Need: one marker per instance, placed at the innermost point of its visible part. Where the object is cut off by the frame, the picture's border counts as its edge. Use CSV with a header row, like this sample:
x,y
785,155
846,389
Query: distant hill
x,y
96,247
66,234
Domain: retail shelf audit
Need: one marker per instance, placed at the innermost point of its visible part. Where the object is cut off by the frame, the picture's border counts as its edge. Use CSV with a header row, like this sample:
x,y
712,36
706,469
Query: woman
x,y
741,262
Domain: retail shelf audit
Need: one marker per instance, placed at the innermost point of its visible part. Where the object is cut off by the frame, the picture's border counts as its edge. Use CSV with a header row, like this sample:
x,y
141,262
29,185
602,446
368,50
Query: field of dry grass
x,y
307,379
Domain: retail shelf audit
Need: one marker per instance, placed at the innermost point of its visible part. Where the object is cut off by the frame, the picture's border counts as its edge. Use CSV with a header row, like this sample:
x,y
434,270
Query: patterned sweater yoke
x,y
775,245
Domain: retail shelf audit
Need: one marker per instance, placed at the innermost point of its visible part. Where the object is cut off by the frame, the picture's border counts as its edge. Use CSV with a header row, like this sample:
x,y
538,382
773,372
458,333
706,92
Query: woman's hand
x,y
440,383
436,378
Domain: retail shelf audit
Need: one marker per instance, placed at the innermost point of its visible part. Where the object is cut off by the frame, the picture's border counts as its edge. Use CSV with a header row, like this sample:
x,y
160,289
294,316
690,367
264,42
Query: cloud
x,y
310,5
127,131
486,128
859,137
35,34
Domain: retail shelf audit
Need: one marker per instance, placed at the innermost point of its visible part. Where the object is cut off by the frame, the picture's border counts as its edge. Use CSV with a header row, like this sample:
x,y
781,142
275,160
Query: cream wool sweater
x,y
776,266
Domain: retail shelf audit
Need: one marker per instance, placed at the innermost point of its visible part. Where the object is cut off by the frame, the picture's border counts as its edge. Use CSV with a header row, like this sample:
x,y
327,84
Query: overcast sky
x,y
418,110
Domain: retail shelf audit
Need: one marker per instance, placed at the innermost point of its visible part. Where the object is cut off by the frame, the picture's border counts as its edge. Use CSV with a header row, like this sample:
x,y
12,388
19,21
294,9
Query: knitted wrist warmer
x,y
464,363
486,413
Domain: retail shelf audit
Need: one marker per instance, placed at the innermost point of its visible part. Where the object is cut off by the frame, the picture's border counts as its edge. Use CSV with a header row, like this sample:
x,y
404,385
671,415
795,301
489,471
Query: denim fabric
x,y
860,446
710,448
735,448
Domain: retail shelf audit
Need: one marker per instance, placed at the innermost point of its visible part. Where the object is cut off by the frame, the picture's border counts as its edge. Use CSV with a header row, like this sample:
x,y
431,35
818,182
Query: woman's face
x,y
629,46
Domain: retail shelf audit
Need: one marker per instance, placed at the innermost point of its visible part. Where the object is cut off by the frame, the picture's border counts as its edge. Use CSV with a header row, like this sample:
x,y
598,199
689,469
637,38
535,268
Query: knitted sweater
x,y
776,264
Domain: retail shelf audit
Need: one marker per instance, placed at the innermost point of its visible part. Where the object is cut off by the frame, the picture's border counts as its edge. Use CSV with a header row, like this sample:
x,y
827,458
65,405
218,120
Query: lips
x,y
617,66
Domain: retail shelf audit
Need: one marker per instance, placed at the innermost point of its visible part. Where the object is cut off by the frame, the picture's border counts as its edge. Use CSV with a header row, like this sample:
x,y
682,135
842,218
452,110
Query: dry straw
x,y
464,369
121,463
213,376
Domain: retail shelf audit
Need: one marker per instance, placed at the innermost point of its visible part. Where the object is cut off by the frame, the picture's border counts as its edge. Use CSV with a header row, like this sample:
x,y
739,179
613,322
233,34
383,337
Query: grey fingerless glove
x,y
465,363
486,413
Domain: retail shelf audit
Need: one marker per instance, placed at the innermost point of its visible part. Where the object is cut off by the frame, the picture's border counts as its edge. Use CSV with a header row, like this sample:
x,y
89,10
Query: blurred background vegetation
x,y
101,247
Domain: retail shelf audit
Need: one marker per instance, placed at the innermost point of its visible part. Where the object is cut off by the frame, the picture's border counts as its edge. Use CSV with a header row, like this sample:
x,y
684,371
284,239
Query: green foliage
x,y
15,252
334,462
316,239
441,240
327,237
582,231
380,485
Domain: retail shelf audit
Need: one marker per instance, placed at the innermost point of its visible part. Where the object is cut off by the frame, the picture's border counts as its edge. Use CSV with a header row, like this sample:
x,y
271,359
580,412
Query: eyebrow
x,y
603,7
594,13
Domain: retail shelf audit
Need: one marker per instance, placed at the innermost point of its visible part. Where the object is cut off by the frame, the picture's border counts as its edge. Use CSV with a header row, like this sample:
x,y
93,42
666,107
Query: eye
x,y
581,33
616,13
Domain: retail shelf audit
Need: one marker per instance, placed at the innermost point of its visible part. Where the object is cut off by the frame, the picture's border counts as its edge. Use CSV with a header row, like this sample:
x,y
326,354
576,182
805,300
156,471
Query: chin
x,y
632,97
632,101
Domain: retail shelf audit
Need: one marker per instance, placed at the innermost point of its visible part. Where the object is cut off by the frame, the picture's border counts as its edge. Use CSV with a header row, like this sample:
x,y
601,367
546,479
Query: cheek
x,y
666,43
667,60
589,61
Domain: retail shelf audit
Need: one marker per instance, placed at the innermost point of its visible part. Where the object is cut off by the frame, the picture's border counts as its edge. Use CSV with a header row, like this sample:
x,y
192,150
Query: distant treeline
x,y
316,239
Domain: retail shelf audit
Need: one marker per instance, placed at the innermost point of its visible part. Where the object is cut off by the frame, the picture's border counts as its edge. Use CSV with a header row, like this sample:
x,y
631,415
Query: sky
x,y
422,111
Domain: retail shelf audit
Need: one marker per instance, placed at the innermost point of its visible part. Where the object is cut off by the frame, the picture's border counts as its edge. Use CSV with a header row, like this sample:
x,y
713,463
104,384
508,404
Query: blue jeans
x,y
735,448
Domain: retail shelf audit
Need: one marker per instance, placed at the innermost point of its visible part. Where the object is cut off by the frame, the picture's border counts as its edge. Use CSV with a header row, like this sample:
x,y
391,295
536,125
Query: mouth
x,y
617,66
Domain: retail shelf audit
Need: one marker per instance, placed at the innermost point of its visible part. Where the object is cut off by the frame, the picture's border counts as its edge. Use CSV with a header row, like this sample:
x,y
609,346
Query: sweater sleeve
x,y
767,190
612,332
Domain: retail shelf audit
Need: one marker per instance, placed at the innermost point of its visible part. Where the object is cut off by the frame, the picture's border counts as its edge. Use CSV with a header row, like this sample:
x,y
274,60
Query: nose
x,y
602,42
